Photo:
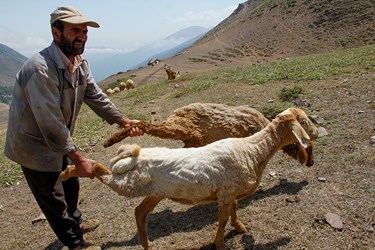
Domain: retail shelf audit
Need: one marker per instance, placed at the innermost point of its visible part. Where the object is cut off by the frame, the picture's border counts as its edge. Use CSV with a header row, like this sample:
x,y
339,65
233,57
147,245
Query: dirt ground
x,y
340,182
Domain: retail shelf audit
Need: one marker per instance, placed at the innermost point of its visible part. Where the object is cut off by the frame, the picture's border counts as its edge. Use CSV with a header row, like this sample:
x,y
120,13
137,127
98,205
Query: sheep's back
x,y
218,121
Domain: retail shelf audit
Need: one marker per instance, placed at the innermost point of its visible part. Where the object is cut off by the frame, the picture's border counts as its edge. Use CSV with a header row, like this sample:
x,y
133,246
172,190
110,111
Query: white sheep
x,y
223,171
116,90
122,86
109,92
129,84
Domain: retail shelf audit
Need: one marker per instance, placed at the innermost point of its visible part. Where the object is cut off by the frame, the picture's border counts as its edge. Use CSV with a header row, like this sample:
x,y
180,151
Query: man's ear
x,y
56,34
300,134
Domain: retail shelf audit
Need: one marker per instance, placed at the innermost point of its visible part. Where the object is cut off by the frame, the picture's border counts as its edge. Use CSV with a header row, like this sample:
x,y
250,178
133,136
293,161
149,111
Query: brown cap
x,y
71,15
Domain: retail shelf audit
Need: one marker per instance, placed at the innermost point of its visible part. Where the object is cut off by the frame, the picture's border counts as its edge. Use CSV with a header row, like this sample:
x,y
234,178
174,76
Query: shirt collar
x,y
68,64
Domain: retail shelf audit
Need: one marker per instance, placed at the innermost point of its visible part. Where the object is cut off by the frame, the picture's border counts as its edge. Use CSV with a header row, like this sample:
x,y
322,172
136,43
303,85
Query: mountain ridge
x,y
260,31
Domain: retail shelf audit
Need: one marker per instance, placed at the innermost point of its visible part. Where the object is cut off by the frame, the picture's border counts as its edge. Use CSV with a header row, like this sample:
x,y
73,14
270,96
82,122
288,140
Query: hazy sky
x,y
125,25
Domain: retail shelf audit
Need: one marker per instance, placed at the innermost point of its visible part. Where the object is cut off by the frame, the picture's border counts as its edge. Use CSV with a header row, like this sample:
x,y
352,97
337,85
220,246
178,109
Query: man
x,y
47,96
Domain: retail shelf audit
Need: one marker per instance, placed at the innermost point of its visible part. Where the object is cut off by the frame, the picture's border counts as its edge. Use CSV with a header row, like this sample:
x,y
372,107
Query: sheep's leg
x,y
224,212
141,212
235,221
100,170
175,129
70,171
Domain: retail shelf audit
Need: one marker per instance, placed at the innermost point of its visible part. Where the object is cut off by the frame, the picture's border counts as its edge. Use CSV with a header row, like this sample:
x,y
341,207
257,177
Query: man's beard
x,y
68,47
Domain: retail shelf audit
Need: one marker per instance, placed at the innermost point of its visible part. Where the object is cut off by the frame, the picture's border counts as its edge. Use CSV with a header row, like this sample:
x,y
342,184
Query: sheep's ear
x,y
300,134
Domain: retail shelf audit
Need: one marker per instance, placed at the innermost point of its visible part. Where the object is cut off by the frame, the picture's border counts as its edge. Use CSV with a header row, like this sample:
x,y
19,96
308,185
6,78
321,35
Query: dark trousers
x,y
58,201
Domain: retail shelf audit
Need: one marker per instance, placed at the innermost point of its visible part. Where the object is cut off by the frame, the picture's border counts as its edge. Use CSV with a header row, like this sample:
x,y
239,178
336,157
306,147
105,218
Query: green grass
x,y
309,68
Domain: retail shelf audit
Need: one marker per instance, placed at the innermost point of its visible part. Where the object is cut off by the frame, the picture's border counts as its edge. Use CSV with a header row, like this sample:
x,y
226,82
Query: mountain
x,y
259,31
171,52
105,67
10,62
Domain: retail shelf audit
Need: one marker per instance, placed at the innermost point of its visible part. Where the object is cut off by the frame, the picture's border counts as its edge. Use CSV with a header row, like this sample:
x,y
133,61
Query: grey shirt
x,y
44,110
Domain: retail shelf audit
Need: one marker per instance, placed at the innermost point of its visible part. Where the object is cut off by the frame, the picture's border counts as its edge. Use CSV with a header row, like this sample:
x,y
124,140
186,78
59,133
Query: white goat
x,y
223,171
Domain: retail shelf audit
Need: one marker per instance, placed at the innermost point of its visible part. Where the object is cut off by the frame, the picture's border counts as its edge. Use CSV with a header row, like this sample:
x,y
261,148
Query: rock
x,y
322,132
334,221
322,179
301,103
293,199
372,140
317,119
273,174
361,112
40,218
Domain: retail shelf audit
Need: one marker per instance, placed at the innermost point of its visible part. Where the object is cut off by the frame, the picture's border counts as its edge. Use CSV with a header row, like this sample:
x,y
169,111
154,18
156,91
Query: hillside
x,y
259,31
10,62
288,210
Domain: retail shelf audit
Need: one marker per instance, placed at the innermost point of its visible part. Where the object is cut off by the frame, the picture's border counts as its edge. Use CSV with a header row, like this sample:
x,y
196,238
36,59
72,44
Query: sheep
x,y
199,124
116,90
129,84
109,92
122,86
223,171
170,73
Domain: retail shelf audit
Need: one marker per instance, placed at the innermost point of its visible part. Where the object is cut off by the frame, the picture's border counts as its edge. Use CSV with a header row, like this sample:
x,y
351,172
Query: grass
x,y
309,68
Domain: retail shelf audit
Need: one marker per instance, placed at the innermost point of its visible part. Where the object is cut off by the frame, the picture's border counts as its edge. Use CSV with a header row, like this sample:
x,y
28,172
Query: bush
x,y
289,94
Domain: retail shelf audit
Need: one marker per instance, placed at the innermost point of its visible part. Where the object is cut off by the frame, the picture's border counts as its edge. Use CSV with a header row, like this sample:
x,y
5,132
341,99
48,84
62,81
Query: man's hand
x,y
126,122
83,165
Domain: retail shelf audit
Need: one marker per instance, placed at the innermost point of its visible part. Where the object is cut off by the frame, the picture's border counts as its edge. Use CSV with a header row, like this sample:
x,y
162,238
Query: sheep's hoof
x,y
240,228
147,246
220,246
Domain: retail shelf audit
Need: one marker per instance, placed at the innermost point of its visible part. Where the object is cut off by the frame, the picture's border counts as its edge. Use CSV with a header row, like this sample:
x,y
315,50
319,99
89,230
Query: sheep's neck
x,y
261,147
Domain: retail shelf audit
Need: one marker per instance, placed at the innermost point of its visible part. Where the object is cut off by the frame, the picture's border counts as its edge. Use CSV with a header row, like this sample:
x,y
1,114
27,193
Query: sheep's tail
x,y
124,151
122,134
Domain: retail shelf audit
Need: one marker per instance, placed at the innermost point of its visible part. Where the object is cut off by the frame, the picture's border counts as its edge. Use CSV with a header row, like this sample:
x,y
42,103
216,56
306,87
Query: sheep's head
x,y
305,122
302,151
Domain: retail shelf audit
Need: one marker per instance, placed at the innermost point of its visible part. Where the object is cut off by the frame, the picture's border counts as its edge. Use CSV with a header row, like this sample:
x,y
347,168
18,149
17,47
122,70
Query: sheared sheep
x,y
223,171
199,124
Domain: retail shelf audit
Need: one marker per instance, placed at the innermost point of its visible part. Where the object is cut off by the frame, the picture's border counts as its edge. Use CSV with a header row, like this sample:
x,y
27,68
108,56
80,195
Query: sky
x,y
125,25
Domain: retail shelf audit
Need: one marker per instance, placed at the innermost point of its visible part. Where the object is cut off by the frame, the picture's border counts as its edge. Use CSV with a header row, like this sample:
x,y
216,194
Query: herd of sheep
x,y
129,84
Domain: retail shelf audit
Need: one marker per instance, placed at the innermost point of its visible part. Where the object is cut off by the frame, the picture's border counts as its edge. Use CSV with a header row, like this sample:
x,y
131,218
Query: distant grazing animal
x,y
129,84
122,86
199,124
109,92
171,74
116,90
224,171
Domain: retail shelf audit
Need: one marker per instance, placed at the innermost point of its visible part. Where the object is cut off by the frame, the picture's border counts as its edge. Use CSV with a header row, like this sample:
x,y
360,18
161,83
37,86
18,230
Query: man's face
x,y
73,39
